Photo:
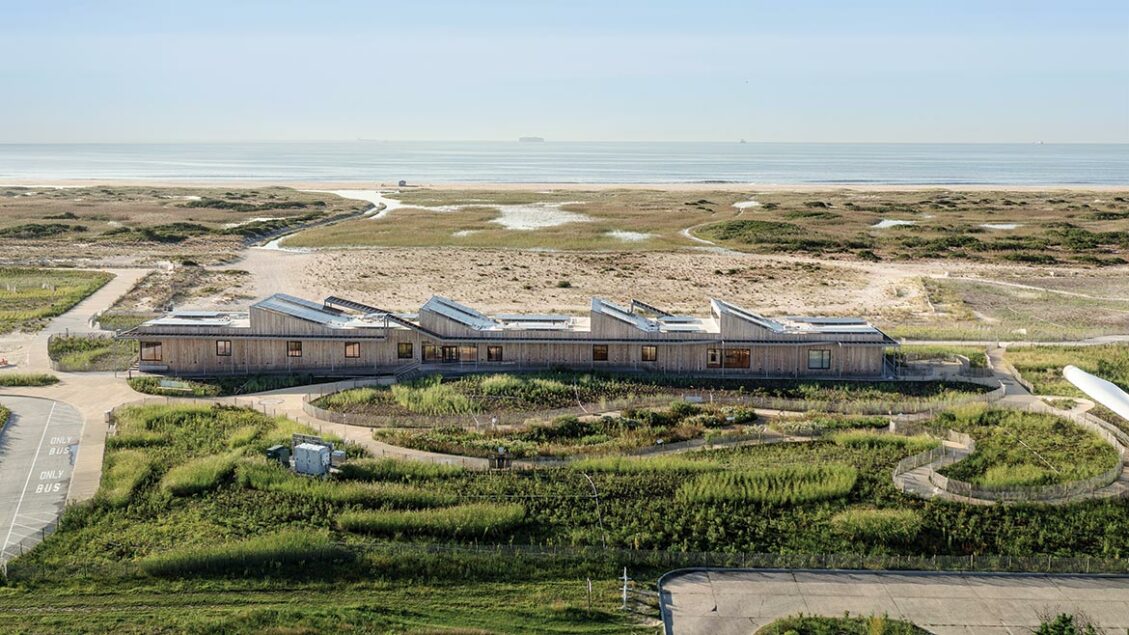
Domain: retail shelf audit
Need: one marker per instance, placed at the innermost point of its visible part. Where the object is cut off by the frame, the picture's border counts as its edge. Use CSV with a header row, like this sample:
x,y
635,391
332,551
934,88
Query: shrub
x,y
125,472
875,440
198,475
784,485
877,525
471,520
289,547
4,415
27,379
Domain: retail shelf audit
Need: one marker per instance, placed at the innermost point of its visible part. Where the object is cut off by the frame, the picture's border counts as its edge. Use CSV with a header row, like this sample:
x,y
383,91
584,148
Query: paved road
x,y
725,602
38,449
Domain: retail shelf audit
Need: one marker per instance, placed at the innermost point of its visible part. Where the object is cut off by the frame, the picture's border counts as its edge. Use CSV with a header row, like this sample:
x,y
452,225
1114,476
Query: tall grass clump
x,y
878,525
862,439
261,554
628,465
126,471
398,470
27,379
198,475
471,520
267,477
783,485
4,415
430,396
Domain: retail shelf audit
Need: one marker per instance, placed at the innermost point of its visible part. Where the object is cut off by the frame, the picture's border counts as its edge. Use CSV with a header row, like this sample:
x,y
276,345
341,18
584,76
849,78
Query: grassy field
x,y
187,530
1024,449
1042,366
205,225
1050,228
29,297
84,353
977,356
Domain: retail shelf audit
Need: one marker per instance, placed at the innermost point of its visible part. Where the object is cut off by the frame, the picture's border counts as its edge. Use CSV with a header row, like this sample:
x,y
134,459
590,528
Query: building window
x,y
223,348
737,358
352,349
819,359
649,353
599,352
450,353
150,351
430,353
493,353
293,349
404,350
468,353
713,358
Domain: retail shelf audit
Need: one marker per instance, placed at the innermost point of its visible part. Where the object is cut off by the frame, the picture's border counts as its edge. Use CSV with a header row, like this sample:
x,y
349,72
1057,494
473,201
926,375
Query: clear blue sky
x,y
900,70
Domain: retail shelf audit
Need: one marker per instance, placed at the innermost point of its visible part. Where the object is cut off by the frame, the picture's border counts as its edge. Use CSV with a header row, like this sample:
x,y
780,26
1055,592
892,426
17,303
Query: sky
x,y
582,70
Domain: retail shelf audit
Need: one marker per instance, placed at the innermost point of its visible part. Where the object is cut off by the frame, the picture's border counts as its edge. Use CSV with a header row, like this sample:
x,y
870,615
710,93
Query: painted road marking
x,y
20,504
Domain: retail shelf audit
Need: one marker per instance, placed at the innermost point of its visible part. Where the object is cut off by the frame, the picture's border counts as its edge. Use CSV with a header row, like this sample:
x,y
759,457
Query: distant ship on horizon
x,y
531,139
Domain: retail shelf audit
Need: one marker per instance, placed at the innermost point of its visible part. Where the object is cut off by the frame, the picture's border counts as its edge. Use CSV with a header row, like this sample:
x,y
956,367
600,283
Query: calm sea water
x,y
561,162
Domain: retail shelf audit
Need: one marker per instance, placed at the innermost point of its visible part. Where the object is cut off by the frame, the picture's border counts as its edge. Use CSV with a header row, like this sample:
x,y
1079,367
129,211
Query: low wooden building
x,y
337,336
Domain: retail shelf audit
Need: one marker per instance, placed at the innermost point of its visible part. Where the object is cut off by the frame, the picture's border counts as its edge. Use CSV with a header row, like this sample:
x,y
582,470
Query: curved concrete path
x,y
739,601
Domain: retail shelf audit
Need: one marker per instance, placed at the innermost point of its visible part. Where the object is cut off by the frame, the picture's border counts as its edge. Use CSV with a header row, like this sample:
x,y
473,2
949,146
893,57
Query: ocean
x,y
575,162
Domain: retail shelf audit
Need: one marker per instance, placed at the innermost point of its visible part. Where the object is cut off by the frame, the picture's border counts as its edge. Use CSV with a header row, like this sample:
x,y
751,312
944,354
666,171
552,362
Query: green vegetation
x,y
27,379
398,470
261,554
108,557
569,435
813,625
4,415
501,393
28,297
33,231
813,424
1042,365
471,520
270,477
884,526
222,386
870,439
1066,624
629,465
124,472
85,353
1021,449
199,475
784,485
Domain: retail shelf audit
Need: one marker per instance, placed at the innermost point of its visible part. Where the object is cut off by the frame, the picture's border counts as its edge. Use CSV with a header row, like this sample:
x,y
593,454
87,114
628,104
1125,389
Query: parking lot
x,y
38,449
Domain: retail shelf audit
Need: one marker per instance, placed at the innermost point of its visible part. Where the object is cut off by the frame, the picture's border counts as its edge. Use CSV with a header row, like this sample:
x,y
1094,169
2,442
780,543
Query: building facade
x,y
337,336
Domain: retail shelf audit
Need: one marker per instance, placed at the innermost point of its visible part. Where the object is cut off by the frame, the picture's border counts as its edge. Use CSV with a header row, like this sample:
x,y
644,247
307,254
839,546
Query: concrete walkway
x,y
91,394
738,601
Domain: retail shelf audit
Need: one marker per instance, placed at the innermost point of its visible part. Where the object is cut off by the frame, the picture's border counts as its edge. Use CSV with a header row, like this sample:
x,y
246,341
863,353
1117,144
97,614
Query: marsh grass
x,y
27,379
874,440
259,554
783,485
199,475
398,470
461,521
126,470
260,475
1020,448
884,526
78,353
630,465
